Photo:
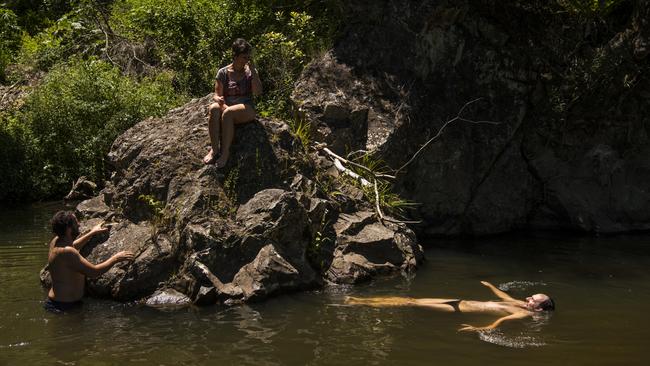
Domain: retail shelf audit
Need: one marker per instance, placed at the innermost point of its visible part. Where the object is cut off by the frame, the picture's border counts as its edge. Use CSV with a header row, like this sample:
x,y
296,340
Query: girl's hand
x,y
251,67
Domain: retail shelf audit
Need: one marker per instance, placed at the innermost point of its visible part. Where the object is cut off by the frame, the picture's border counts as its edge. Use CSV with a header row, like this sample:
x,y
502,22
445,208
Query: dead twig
x,y
457,118
9,89
377,205
346,171
335,156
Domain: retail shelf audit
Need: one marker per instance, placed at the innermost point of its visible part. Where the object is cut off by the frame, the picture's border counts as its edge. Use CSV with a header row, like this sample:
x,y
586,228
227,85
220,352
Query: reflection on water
x,y
600,286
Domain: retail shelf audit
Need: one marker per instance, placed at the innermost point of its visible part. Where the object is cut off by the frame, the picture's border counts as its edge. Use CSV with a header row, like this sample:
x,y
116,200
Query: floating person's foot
x,y
209,158
222,161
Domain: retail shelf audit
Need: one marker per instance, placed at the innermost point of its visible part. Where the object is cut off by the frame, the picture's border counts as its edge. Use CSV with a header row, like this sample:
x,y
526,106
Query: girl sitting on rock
x,y
233,95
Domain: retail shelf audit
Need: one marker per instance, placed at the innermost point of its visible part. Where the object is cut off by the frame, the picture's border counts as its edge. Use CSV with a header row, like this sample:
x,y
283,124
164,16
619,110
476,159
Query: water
x,y
601,287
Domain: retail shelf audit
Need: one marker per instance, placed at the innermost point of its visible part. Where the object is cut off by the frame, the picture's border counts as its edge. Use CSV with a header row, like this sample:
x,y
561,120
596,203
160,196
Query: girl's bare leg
x,y
235,114
437,304
380,301
214,115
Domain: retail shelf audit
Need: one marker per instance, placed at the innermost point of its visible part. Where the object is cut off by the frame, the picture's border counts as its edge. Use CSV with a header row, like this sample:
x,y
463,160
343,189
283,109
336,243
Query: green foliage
x,y
157,207
77,113
73,34
590,8
181,33
9,39
281,57
321,239
34,15
301,129
389,201
193,38
66,126
161,218
15,164
226,204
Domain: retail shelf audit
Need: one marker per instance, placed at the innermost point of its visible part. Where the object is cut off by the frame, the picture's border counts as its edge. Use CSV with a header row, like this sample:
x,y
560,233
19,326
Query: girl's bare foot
x,y
209,158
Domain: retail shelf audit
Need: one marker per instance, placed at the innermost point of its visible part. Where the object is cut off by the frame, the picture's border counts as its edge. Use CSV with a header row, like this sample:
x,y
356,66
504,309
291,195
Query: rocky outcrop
x,y
365,247
571,144
257,228
82,189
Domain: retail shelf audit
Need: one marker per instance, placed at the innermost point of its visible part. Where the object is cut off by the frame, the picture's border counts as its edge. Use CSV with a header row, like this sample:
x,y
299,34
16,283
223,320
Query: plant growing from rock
x,y
161,218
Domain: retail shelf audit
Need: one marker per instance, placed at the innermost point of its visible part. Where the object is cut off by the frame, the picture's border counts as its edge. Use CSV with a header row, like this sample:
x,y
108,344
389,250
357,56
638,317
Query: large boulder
x,y
365,247
206,235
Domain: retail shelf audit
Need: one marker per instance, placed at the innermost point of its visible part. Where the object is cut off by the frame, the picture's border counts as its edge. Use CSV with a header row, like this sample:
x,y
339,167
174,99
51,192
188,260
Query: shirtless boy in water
x,y
509,307
67,267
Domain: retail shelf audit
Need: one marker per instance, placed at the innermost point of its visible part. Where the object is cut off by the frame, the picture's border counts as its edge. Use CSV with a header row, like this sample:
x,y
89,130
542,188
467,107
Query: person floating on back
x,y
233,102
509,307
68,268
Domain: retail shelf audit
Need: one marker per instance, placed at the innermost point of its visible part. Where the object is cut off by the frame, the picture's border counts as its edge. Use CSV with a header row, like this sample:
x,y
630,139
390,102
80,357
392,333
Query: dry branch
x,y
348,172
457,118
335,156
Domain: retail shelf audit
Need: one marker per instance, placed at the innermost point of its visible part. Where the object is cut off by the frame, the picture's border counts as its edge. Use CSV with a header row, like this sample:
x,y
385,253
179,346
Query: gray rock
x,y
168,298
365,248
342,107
269,274
93,208
81,189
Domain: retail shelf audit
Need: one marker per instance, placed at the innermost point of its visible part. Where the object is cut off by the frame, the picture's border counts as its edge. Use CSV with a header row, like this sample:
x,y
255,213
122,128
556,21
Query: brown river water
x,y
601,287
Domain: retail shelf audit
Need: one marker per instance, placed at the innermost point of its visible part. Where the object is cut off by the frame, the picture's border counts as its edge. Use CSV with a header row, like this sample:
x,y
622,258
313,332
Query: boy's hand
x,y
99,228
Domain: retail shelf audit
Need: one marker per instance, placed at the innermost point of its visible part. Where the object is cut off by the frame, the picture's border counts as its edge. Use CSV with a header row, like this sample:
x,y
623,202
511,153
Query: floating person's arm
x,y
502,295
518,315
82,240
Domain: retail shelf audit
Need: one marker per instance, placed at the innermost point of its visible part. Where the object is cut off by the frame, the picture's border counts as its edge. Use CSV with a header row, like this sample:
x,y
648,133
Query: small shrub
x,y
9,39
73,34
77,113
301,129
15,162
590,8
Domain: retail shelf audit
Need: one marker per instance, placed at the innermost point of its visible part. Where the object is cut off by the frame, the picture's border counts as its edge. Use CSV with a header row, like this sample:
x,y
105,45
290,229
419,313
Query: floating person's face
x,y
533,302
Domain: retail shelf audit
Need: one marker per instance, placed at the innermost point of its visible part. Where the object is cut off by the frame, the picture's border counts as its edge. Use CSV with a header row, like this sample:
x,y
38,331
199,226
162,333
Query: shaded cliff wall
x,y
571,96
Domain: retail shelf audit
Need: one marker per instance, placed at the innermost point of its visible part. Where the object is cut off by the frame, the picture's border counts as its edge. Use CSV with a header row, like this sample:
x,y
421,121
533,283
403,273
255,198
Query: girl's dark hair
x,y
240,46
547,305
61,221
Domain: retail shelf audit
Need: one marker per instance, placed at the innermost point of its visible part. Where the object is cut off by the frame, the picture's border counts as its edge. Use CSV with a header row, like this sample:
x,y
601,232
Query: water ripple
x,y
518,341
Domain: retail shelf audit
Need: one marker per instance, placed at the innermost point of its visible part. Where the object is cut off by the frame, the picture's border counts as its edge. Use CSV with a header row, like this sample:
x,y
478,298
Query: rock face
x,y
201,235
570,150
365,248
82,189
